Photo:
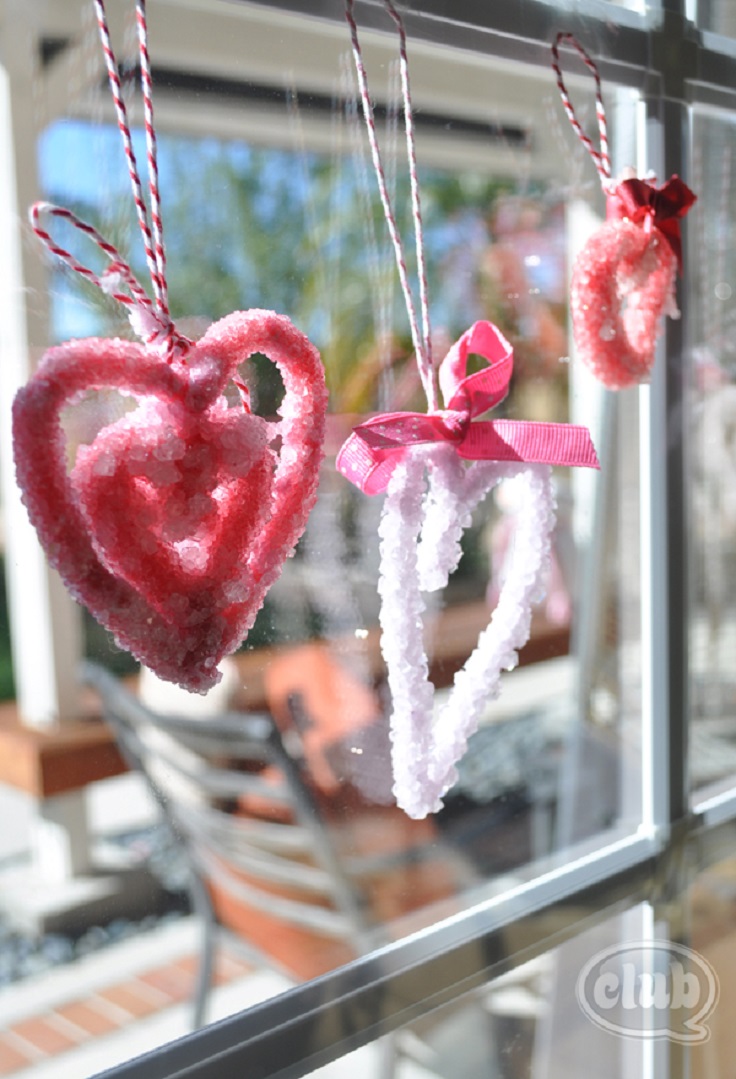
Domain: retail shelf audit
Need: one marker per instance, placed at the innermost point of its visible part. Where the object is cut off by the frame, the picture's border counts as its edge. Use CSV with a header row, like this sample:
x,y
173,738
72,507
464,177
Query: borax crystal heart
x,y
422,523
623,280
174,522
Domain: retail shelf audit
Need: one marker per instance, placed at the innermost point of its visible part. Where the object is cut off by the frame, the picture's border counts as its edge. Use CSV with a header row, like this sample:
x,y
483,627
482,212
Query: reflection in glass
x,y
710,920
712,441
717,15
529,1023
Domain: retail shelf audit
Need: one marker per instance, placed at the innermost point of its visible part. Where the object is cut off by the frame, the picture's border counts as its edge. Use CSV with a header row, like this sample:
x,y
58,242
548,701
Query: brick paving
x,y
38,1037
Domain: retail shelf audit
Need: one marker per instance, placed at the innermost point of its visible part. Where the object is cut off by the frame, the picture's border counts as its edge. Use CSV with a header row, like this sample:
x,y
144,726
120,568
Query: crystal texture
x,y
623,281
173,523
430,498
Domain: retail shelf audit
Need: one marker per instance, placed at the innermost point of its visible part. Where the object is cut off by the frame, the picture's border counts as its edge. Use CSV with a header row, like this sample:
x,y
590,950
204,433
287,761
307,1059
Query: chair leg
x,y
203,985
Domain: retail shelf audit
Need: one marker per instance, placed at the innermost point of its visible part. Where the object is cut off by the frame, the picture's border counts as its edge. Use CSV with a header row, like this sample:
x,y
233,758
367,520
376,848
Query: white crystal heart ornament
x,y
421,461
420,532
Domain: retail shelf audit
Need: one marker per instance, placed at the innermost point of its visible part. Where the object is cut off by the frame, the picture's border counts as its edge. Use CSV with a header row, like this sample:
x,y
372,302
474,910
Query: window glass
x,y
300,230
600,995
712,448
269,201
548,1017
709,915
717,15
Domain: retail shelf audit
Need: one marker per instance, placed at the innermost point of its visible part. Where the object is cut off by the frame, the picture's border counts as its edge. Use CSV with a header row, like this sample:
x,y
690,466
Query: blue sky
x,y
78,161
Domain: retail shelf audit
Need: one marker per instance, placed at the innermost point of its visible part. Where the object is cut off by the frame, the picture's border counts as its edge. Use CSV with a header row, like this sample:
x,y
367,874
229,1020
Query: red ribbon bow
x,y
372,451
660,207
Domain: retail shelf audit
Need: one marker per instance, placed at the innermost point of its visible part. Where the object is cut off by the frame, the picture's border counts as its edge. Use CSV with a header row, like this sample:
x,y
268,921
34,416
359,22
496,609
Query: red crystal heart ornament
x,y
622,283
623,280
174,522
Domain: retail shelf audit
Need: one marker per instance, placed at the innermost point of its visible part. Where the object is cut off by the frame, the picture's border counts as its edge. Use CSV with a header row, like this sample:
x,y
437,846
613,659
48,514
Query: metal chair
x,y
264,865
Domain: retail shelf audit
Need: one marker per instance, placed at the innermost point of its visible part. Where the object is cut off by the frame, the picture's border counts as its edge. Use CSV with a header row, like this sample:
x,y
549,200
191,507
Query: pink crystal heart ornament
x,y
623,280
430,499
175,521
622,283
197,504
171,525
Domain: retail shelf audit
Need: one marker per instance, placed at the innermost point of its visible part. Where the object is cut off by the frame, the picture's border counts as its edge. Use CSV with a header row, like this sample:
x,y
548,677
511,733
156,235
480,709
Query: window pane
x,y
713,277
717,15
269,201
547,1019
708,906
299,229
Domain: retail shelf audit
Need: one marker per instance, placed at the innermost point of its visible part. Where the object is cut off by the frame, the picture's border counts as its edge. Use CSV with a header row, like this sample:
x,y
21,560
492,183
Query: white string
x,y
420,339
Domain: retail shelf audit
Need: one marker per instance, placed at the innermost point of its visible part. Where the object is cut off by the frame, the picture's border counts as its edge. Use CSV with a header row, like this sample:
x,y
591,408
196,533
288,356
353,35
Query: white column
x,y
45,622
60,838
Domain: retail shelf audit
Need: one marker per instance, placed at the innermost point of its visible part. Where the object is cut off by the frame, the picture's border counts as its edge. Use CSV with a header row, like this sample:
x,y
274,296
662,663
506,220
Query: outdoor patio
x,y
71,1007
122,1000
74,1001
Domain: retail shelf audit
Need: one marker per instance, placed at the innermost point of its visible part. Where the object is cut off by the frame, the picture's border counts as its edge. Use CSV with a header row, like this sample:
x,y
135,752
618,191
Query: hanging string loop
x,y
421,337
151,320
601,157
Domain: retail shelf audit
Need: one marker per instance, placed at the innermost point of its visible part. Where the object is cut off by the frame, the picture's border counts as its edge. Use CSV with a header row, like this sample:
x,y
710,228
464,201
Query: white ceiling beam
x,y
255,45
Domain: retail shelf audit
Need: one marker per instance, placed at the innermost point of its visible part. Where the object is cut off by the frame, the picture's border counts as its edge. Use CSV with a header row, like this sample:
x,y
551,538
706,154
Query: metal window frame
x,y
673,65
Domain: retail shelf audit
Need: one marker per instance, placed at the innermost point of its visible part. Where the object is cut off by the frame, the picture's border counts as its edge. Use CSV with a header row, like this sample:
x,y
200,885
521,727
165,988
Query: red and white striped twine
x,y
151,320
421,340
601,158
244,391
152,154
118,266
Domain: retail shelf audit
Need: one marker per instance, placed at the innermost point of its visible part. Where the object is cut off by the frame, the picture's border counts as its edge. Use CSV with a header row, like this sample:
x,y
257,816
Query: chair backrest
x,y
238,801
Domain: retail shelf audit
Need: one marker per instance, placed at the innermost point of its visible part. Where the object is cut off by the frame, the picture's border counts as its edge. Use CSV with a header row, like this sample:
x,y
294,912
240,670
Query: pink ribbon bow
x,y
372,451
